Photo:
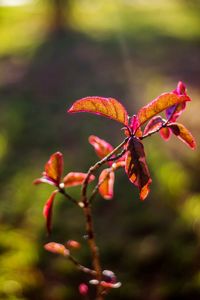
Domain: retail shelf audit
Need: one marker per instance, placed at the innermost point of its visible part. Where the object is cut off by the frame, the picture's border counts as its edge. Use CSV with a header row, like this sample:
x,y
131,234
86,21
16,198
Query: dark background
x,y
51,54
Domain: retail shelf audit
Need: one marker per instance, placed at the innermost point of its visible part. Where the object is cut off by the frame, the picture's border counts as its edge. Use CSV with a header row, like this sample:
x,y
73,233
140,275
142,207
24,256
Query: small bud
x,y
56,248
61,185
81,204
83,289
109,276
114,165
73,244
94,281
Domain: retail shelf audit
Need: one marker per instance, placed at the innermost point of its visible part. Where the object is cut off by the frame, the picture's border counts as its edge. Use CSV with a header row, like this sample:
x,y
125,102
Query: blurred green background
x,y
53,52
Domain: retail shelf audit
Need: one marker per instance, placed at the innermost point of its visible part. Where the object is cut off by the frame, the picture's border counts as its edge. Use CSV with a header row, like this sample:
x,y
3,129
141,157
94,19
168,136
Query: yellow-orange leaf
x,y
183,134
106,181
107,107
159,104
75,178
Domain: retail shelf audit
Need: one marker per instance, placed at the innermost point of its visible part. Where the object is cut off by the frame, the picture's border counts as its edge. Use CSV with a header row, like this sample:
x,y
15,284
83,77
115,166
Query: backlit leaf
x,y
154,124
57,248
173,112
135,126
106,181
47,211
44,180
102,148
159,104
54,167
183,134
107,107
76,178
136,167
165,133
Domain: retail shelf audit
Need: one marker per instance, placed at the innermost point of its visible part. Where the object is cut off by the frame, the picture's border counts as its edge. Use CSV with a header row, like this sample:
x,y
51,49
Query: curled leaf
x,y
76,178
57,248
173,112
136,166
153,125
159,104
107,107
54,168
47,211
102,148
106,183
183,134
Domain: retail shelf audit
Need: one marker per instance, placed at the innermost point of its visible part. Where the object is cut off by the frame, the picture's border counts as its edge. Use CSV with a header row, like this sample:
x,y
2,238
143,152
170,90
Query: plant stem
x,y
62,191
89,221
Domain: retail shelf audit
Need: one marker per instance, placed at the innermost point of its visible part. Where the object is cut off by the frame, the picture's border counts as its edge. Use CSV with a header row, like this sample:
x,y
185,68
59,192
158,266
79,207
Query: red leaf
x,y
136,167
44,180
47,211
102,148
76,178
57,248
183,134
154,124
165,133
159,104
106,181
54,167
107,107
135,126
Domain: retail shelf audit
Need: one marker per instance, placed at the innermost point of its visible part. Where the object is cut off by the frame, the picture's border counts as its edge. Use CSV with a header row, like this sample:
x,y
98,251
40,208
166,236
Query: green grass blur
x,y
132,50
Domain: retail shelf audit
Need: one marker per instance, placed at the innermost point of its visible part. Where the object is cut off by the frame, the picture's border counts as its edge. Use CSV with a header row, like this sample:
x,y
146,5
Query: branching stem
x,y
89,222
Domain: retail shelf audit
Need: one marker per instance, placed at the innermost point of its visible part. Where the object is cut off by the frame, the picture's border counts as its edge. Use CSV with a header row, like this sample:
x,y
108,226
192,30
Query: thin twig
x,y
81,267
62,191
117,156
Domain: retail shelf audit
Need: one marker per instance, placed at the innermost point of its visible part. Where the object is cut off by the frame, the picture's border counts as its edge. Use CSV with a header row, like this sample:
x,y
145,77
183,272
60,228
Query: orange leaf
x,y
159,104
54,167
107,107
106,181
102,148
183,134
136,167
56,248
47,211
76,178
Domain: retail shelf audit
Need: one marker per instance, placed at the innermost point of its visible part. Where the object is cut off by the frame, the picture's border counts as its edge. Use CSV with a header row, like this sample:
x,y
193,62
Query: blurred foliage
x,y
130,50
